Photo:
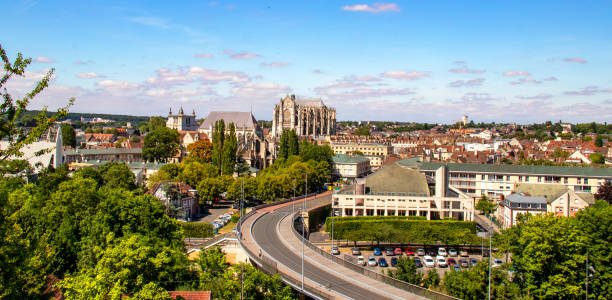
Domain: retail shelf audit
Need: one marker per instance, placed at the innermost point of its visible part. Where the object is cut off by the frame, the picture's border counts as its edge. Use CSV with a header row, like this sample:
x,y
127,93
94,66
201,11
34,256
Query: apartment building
x,y
395,190
494,181
350,166
375,152
534,198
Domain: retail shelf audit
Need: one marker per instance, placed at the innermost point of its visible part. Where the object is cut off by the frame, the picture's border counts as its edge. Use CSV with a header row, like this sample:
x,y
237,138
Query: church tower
x,y
181,121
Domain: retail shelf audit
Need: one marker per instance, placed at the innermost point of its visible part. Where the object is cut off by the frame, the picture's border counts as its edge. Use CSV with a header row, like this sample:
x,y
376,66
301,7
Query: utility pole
x,y
293,197
304,226
242,281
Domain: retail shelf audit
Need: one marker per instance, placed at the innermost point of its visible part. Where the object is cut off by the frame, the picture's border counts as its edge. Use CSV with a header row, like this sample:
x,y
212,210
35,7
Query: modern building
x,y
515,204
251,142
181,121
395,190
535,198
46,152
495,181
350,166
308,117
375,152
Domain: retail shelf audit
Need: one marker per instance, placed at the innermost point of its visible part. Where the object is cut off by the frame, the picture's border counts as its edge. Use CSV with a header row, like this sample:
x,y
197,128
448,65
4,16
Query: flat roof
x,y
515,169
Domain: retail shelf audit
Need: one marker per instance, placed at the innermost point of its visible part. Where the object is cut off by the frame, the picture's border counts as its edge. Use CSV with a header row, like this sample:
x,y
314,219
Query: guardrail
x,y
415,289
269,266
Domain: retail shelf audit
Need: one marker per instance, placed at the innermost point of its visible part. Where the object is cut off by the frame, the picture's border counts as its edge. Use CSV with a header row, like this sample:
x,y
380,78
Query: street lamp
x,y
304,226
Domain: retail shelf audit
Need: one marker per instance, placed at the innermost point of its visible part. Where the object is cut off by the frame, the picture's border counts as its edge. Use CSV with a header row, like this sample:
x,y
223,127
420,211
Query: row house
x,y
179,199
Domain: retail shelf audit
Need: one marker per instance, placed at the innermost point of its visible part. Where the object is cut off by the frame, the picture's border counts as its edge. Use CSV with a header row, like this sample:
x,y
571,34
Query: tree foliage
x,y
201,150
68,136
604,192
473,283
406,270
160,144
485,205
13,109
362,130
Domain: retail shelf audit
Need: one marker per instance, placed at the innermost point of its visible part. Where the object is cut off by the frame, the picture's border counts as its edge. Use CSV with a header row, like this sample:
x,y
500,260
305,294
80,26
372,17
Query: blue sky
x,y
430,61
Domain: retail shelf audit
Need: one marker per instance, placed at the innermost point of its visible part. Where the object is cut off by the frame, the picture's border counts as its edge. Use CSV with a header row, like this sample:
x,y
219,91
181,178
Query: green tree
x,y
599,141
202,150
230,148
160,144
362,130
432,279
90,173
192,173
597,158
406,270
68,136
13,109
117,175
485,205
604,192
210,188
155,123
473,283
218,141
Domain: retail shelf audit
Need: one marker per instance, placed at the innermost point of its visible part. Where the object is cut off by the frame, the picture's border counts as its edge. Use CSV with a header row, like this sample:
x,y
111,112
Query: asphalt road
x,y
265,233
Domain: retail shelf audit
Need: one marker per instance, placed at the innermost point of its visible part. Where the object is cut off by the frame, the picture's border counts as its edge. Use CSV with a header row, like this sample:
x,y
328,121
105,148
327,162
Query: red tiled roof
x,y
191,295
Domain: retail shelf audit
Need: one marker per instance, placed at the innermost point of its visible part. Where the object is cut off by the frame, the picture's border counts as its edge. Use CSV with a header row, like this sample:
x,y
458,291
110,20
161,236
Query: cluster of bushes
x,y
197,230
414,230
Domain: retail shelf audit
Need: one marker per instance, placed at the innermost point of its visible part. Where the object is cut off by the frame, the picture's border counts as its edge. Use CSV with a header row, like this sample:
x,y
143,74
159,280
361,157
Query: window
x,y
565,180
539,178
586,181
520,178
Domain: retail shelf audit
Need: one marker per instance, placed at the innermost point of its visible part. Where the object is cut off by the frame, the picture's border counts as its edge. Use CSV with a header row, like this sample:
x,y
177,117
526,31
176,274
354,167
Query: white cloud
x,y
118,86
244,55
466,70
467,83
89,75
374,8
542,96
203,55
44,60
516,73
275,64
575,60
403,75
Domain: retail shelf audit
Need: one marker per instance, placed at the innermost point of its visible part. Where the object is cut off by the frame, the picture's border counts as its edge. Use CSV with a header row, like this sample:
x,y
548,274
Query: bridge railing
x,y
415,289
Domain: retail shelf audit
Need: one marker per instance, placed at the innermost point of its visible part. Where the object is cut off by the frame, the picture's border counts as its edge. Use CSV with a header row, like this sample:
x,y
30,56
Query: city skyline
x,y
398,61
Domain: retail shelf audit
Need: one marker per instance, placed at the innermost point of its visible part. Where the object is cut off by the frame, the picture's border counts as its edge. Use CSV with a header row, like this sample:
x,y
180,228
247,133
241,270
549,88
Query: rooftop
x,y
103,151
396,179
514,169
240,119
347,159
522,198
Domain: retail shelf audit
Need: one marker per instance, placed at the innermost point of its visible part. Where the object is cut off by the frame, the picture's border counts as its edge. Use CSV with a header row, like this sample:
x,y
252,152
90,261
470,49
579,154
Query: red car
x,y
409,252
451,262
397,251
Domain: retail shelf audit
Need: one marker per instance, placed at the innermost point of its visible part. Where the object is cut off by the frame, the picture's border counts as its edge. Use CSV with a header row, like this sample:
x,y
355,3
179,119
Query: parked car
x,y
497,262
464,263
377,252
361,261
452,252
418,262
335,251
382,262
473,261
463,253
356,251
420,252
442,251
451,261
456,268
397,251
441,261
372,261
393,261
409,252
429,262
389,252
431,253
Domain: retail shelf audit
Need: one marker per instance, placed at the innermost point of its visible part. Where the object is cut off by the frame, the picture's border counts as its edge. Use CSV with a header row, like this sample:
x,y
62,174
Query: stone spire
x,y
193,113
170,113
181,111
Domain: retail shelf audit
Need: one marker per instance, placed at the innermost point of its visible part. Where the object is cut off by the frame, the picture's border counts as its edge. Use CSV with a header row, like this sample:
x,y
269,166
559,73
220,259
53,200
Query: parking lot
x,y
370,252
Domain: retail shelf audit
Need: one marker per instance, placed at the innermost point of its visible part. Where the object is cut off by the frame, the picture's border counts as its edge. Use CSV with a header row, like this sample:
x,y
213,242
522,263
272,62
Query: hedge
x,y
197,230
403,230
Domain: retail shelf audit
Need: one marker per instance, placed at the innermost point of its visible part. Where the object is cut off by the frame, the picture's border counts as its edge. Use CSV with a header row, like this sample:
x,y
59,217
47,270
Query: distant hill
x,y
77,116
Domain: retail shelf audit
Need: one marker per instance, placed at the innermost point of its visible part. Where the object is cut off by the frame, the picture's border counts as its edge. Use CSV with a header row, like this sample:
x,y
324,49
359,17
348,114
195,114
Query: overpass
x,y
271,241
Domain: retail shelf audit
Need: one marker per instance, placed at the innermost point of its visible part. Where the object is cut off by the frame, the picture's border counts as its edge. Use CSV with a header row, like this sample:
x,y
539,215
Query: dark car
x,y
393,261
390,252
382,262
356,251
377,252
464,263
418,262
451,262
431,253
473,261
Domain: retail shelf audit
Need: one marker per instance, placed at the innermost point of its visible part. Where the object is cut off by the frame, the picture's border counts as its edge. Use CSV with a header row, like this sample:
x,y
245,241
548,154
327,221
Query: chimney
x,y
441,181
360,186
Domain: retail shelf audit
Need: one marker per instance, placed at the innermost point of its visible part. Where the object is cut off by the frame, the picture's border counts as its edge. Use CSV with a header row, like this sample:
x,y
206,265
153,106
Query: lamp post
x,y
304,226
293,206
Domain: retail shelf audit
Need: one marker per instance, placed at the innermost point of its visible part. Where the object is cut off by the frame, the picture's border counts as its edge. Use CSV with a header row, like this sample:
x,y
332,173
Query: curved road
x,y
265,232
